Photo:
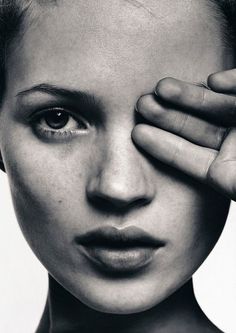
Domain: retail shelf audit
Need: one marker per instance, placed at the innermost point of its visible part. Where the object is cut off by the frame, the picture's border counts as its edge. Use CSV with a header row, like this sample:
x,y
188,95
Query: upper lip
x,y
110,236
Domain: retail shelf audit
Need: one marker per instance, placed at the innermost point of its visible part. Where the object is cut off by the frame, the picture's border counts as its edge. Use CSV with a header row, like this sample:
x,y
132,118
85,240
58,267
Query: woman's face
x,y
73,79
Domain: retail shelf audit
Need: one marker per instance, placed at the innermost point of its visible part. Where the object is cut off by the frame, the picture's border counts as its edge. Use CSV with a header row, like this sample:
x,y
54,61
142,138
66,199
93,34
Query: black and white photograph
x,y
118,166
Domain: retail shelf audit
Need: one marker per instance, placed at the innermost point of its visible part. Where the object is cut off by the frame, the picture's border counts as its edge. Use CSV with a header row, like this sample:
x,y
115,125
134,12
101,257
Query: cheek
x,y
48,186
206,224
191,216
193,222
195,238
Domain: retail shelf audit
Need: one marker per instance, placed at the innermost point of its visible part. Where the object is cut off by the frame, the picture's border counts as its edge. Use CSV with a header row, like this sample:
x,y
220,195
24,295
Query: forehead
x,y
100,44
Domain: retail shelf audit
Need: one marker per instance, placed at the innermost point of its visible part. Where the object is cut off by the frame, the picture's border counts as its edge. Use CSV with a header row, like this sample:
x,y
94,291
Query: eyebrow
x,y
72,94
54,90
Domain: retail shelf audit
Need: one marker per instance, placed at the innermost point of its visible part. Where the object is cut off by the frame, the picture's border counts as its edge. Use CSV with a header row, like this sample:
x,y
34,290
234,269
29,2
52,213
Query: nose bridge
x,y
121,169
119,176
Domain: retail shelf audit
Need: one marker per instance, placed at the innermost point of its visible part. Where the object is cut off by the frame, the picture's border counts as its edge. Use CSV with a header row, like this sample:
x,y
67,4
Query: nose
x,y
120,181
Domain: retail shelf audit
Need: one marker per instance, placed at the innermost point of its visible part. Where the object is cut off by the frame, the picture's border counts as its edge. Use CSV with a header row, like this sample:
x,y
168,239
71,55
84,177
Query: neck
x,y
65,313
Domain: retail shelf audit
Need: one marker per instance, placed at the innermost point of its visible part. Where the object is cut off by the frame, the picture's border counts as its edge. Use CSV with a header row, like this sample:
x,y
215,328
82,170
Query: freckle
x,y
59,201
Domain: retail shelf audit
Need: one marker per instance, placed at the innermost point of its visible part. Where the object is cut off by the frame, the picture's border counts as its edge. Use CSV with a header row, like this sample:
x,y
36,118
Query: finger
x,y
198,100
175,151
183,124
222,172
223,82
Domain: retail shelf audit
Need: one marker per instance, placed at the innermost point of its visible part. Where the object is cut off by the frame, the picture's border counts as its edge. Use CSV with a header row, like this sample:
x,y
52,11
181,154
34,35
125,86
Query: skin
x,y
213,144
57,179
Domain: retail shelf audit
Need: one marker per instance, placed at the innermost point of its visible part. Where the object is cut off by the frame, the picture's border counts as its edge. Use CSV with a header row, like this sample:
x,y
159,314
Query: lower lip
x,y
120,259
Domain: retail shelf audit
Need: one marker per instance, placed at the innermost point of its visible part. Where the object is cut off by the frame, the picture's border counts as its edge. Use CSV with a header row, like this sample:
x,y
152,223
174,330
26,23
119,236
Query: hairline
x,y
16,10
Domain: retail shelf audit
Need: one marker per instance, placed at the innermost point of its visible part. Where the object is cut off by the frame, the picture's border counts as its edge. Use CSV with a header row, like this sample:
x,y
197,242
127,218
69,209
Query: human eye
x,y
58,123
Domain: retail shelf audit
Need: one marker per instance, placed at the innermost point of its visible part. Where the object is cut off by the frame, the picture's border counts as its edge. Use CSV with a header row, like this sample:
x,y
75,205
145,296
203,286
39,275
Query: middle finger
x,y
196,130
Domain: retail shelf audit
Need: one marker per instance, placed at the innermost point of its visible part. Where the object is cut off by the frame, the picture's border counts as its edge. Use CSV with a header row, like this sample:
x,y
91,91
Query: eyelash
x,y
51,133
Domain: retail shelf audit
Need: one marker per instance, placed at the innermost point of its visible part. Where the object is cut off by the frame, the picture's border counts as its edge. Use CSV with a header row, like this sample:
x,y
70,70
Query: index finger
x,y
198,100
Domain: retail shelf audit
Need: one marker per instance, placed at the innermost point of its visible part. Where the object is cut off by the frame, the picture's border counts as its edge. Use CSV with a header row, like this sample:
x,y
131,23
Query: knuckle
x,y
180,123
177,152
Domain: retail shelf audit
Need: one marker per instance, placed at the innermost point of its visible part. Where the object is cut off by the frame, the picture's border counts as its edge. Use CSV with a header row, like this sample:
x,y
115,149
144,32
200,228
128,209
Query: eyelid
x,y
27,106
60,135
39,114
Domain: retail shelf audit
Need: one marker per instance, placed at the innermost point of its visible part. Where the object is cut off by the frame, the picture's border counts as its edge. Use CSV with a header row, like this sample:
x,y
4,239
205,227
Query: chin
x,y
120,307
121,297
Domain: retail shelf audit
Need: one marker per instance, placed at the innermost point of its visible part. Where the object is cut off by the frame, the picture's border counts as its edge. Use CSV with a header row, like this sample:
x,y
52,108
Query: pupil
x,y
56,120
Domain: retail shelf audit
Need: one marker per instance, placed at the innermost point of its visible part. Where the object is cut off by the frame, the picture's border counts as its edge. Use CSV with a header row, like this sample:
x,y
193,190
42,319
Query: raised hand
x,y
193,128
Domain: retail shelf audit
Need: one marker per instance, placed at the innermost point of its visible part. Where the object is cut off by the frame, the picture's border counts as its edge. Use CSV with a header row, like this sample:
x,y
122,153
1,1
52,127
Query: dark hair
x,y
11,17
227,9
12,13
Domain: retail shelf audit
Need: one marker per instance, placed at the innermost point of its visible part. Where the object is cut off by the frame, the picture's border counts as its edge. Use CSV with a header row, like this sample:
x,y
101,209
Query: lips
x,y
119,250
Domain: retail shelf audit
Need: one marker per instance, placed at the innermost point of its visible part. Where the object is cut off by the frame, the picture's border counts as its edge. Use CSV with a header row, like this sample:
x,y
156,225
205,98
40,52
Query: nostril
x,y
141,202
120,183
116,205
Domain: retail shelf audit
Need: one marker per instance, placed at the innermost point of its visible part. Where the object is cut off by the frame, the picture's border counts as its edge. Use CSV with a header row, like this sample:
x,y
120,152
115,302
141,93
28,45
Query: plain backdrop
x,y
23,280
